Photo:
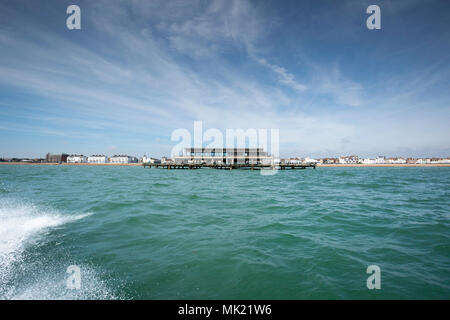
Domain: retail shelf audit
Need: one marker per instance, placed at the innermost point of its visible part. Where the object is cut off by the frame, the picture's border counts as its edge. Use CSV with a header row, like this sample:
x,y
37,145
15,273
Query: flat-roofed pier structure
x,y
224,156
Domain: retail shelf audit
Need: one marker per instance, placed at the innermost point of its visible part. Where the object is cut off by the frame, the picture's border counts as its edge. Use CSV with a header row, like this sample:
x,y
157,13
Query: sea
x,y
136,233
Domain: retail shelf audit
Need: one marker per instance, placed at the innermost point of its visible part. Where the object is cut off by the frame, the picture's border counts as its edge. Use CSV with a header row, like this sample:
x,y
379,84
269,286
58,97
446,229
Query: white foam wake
x,y
51,285
23,225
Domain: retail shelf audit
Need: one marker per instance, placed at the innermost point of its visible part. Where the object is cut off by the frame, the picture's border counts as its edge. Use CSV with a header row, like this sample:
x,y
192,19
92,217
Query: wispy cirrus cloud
x,y
284,76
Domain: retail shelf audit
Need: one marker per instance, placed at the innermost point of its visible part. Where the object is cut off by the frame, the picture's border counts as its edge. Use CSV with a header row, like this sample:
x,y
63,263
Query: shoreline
x,y
387,165
70,164
318,165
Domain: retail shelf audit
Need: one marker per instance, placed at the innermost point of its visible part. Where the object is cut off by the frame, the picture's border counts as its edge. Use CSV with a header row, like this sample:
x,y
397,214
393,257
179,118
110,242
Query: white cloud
x,y
284,77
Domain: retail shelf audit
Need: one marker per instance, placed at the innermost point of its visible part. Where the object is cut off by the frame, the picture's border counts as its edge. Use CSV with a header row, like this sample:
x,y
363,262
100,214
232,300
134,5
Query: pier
x,y
175,166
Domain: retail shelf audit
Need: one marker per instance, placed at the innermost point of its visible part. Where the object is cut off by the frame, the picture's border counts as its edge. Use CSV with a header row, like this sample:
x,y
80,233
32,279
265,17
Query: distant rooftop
x,y
222,149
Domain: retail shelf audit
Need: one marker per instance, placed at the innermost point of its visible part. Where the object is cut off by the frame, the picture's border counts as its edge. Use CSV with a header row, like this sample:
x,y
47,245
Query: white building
x,y
311,160
165,160
97,159
380,160
293,161
123,159
397,160
423,161
146,159
369,161
76,158
348,159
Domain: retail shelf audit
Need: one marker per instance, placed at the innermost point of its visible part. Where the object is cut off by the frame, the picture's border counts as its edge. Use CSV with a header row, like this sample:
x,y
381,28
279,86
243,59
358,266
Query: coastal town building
x,y
423,161
56,158
165,160
123,159
24,160
292,161
348,159
97,159
146,159
369,161
74,158
310,160
329,160
380,160
440,160
224,156
396,160
433,160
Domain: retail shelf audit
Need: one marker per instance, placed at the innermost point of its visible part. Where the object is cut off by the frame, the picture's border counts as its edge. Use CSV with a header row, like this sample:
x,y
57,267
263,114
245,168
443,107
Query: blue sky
x,y
137,70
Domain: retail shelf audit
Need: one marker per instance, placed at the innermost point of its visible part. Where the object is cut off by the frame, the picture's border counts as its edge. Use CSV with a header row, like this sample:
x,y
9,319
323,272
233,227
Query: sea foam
x,y
23,225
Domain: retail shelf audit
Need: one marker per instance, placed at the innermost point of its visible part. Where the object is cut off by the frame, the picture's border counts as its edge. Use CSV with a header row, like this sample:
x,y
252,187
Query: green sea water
x,y
140,233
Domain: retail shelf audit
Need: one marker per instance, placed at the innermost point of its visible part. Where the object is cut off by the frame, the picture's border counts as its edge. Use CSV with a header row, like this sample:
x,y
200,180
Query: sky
x,y
138,70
